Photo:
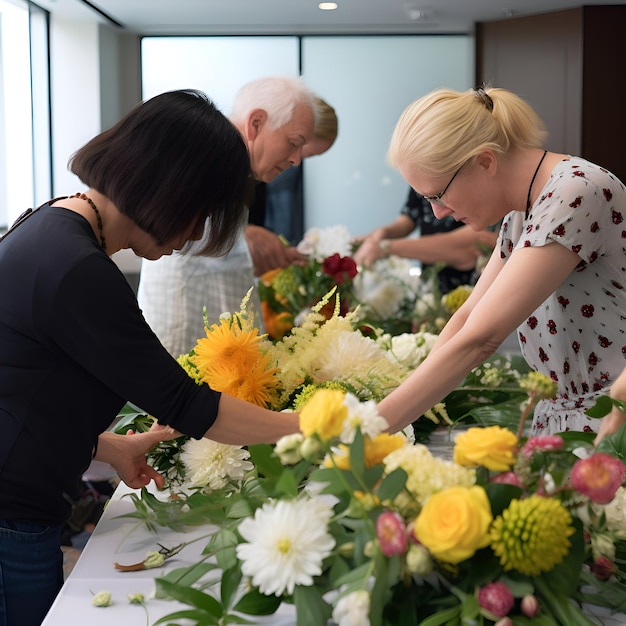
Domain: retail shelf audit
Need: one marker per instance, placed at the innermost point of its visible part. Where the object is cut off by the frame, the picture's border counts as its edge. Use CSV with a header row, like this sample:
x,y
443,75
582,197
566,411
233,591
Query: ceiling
x,y
199,17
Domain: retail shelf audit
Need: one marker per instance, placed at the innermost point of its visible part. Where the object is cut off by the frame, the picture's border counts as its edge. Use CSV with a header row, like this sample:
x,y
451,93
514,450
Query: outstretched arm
x,y
459,248
505,295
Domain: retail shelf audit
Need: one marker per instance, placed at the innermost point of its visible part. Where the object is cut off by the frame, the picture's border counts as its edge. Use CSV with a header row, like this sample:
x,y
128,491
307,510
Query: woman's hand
x,y
127,454
612,422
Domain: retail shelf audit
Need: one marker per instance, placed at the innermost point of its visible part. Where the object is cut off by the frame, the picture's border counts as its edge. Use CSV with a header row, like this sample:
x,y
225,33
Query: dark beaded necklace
x,y
92,204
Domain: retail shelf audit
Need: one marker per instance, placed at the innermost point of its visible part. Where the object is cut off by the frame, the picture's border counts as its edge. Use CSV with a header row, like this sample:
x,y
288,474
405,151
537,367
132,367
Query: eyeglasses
x,y
436,199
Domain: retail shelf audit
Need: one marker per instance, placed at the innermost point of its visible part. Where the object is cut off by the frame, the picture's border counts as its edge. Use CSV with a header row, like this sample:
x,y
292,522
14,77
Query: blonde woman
x,y
558,272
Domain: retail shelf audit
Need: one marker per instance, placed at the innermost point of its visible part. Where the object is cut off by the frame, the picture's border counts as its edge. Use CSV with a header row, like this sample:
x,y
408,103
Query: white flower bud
x,y
102,598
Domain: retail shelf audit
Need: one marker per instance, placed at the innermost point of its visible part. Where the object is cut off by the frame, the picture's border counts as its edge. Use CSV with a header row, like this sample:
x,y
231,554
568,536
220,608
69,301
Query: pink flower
x,y
391,533
602,568
507,478
543,443
496,598
530,606
598,477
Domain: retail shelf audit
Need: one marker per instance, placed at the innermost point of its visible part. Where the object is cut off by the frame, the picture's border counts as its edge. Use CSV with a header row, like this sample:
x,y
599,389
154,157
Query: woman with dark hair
x,y
74,346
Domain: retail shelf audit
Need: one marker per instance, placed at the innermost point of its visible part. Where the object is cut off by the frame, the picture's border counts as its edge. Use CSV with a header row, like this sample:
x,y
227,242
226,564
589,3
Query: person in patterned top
x,y
558,272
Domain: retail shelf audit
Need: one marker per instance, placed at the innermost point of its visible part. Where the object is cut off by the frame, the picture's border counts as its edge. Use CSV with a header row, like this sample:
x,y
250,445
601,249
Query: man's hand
x,y
269,252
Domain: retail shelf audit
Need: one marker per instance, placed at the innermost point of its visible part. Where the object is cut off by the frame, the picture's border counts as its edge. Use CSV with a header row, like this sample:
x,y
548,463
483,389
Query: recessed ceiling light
x,y
327,6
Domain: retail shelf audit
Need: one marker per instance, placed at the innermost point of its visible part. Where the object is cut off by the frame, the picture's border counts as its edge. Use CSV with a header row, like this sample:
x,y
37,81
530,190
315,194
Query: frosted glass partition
x,y
369,80
219,66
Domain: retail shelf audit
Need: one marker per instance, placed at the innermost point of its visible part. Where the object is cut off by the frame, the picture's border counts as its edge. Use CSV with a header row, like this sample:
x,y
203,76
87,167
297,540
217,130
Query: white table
x,y
119,540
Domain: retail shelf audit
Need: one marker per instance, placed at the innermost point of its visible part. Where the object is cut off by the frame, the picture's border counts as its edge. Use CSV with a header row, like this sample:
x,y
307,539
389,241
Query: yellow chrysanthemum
x,y
226,344
255,385
453,300
324,414
531,535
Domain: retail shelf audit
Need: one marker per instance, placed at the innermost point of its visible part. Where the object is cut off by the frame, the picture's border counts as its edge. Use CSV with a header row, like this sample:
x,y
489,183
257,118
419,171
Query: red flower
x,y
339,267
598,477
602,568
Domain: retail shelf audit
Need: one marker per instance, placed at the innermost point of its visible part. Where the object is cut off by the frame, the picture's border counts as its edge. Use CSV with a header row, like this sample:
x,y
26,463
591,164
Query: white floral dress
x,y
578,335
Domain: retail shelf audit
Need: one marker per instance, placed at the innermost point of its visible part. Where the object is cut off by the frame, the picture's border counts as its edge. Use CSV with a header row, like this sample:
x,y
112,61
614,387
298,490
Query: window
x,y
25,170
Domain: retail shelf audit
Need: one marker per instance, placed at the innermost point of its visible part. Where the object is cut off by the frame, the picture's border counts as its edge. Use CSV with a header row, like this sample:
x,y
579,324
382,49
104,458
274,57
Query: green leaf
x,y
256,603
231,578
187,576
198,618
265,461
357,454
615,444
392,484
500,496
447,616
311,608
602,407
222,545
287,484
189,595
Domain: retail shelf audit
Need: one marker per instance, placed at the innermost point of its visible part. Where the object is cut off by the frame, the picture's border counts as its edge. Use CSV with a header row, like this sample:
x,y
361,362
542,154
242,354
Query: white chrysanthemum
x,y
410,349
210,465
287,542
425,304
320,243
383,297
353,609
348,353
363,414
427,474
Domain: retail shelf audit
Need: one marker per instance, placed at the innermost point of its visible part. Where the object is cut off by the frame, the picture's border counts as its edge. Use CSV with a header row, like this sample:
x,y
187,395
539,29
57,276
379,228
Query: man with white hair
x,y
276,116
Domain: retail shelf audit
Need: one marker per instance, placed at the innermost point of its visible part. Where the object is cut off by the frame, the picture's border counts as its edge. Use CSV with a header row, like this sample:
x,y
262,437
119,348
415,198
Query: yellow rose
x,y
324,414
454,523
493,447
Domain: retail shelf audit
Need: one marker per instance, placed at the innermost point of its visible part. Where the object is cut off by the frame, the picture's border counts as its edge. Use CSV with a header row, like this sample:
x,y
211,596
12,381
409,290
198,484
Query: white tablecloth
x,y
122,541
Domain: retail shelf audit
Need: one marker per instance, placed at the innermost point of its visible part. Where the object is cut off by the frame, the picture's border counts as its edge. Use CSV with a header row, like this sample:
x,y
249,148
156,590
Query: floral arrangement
x,y
351,523
288,294
387,294
392,296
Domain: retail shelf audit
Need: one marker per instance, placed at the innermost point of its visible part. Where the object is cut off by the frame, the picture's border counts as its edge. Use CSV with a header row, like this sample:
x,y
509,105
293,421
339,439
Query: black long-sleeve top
x,y
74,347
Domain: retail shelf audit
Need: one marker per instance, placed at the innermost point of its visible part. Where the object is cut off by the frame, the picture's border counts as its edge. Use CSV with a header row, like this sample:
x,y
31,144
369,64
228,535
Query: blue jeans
x,y
31,571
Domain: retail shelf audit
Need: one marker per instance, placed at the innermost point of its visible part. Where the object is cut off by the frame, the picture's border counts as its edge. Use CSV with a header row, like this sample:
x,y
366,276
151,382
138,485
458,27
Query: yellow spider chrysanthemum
x,y
256,384
227,344
531,535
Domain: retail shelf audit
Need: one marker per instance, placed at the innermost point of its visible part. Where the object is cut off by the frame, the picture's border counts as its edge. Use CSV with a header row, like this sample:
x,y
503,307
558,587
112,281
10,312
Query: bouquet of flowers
x,y
288,294
386,294
348,522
